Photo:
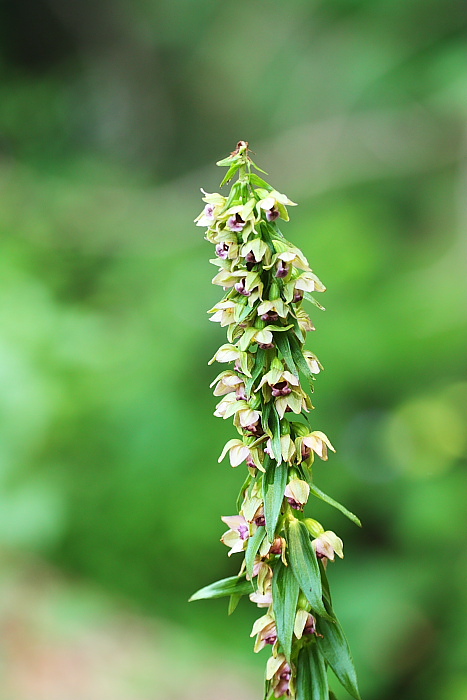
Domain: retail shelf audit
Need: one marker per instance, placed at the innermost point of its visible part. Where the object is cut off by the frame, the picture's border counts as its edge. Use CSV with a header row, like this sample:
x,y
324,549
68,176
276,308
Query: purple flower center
x,y
270,316
243,532
266,346
235,223
250,462
282,269
254,429
260,520
306,451
209,211
240,393
281,389
240,287
250,257
222,250
272,214
310,627
294,504
276,547
297,297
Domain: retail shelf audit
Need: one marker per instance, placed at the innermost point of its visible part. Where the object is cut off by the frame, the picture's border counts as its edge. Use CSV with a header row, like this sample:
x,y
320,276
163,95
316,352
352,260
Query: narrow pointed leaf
x,y
265,416
325,586
285,590
312,679
259,182
282,342
260,360
234,585
327,499
254,543
256,168
298,358
305,566
335,649
275,427
318,673
233,602
310,298
230,172
304,691
274,483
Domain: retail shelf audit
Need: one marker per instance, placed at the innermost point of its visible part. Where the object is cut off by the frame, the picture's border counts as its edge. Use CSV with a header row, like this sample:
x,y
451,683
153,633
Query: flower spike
x,y
266,281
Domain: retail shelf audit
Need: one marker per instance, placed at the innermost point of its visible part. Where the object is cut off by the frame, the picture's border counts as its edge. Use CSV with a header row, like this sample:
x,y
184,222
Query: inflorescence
x,y
266,280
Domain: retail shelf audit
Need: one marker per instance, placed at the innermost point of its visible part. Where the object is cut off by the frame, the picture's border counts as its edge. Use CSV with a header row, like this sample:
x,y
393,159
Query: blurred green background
x,y
112,115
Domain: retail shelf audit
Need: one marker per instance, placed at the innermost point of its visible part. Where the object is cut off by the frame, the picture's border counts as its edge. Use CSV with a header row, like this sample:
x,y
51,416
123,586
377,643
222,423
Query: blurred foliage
x,y
111,117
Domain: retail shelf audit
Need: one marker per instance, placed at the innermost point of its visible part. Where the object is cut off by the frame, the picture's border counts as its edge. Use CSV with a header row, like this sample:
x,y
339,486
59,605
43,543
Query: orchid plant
x,y
266,279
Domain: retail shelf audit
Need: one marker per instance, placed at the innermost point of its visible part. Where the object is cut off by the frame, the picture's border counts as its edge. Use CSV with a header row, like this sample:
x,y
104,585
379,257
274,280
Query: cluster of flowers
x,y
266,280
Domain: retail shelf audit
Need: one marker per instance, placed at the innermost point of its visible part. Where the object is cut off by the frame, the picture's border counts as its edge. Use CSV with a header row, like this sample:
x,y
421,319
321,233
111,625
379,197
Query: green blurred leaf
x,y
233,602
285,590
234,585
230,172
259,182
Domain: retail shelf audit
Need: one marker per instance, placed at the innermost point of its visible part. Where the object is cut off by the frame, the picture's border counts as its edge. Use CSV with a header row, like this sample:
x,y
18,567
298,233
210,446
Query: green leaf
x,y
285,590
298,358
312,679
332,696
265,416
233,196
230,173
275,427
305,566
304,691
254,543
282,342
234,585
327,499
259,182
308,297
233,602
260,361
298,331
256,167
245,312
325,586
274,483
335,649
319,676
233,158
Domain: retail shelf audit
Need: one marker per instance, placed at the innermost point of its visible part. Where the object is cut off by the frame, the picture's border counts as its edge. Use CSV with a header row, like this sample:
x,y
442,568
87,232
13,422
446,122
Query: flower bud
x,y
314,527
